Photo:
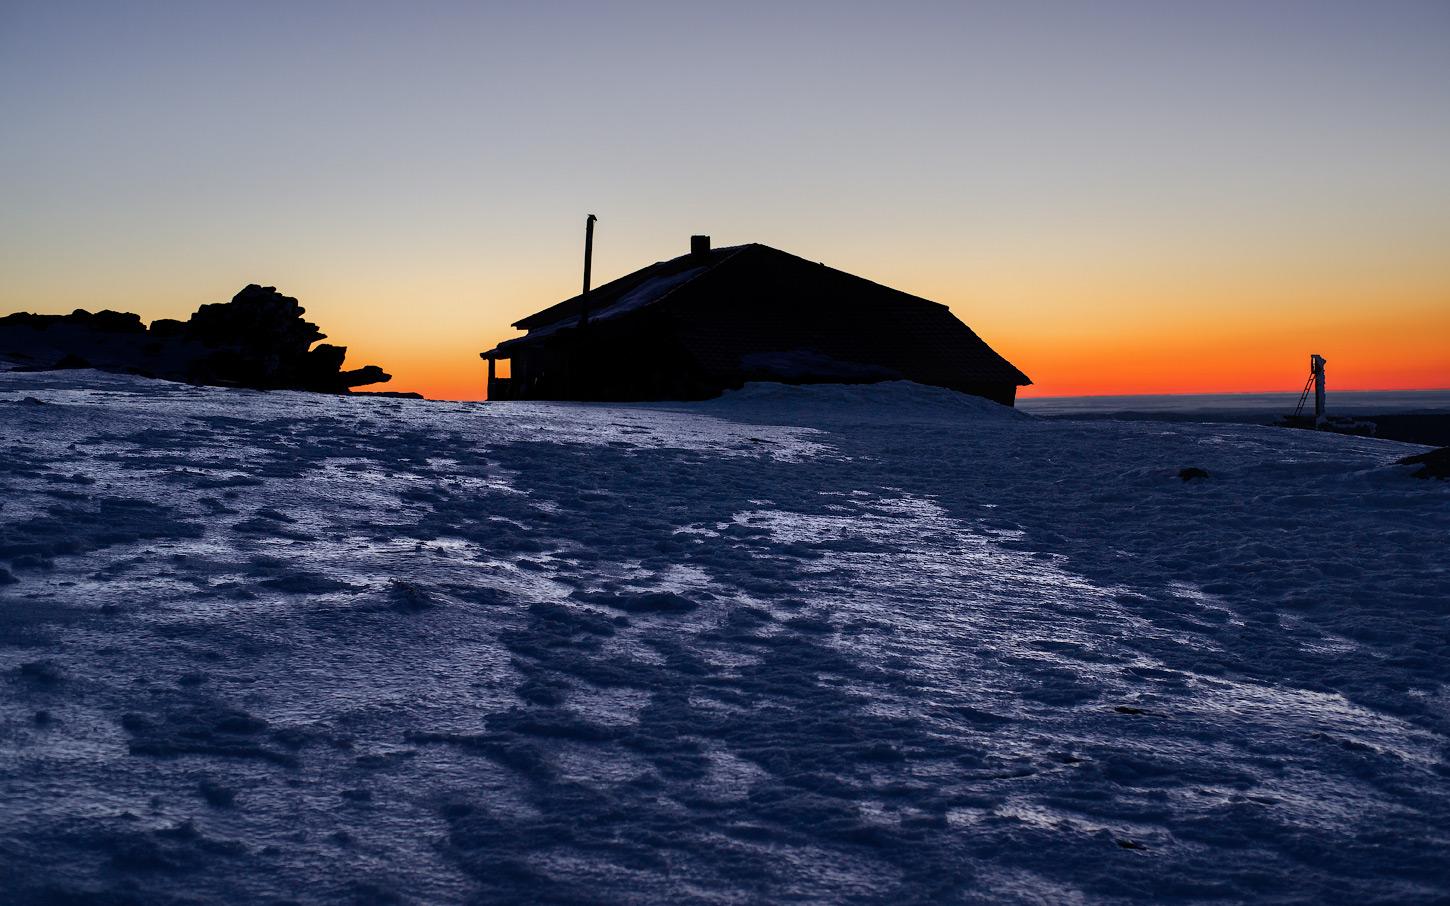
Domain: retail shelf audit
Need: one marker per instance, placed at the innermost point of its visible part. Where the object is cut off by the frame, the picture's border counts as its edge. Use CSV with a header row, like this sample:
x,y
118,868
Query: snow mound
x,y
888,401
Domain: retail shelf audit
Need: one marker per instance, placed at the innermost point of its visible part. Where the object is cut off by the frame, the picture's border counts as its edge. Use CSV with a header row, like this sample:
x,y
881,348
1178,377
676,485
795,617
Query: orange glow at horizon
x,y
1087,372
1218,339
1245,354
1176,361
1078,325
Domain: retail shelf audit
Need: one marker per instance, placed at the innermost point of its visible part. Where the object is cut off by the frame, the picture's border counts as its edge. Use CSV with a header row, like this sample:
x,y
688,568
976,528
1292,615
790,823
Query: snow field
x,y
828,644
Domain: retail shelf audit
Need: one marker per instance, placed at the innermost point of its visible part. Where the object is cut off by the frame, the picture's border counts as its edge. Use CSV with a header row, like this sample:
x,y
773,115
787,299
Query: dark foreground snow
x,y
908,647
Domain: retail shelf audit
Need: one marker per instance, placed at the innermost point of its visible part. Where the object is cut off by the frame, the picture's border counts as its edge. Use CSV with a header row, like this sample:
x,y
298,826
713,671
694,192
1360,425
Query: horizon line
x,y
1078,396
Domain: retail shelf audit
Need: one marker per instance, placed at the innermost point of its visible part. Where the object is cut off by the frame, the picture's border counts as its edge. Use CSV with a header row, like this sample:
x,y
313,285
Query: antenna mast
x,y
1316,371
1316,384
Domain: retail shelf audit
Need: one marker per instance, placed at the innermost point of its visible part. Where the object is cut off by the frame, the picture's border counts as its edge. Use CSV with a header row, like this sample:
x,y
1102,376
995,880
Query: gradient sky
x,y
1120,197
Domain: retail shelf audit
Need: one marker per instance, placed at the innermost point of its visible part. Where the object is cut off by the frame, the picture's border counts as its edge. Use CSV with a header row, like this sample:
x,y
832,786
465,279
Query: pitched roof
x,y
640,289
920,337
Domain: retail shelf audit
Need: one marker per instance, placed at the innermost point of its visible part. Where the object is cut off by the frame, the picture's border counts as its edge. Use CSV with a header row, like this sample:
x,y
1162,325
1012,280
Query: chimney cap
x,y
699,245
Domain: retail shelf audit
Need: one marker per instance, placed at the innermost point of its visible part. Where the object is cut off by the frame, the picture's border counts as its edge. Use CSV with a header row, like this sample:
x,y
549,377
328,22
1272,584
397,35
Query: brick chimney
x,y
700,247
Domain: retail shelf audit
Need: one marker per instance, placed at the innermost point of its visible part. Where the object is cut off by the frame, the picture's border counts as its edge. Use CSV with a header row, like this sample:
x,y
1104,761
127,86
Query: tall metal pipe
x,y
588,263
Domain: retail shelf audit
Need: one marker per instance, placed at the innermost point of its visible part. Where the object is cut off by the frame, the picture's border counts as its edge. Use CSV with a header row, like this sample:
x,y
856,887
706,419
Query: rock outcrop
x,y
1434,464
259,339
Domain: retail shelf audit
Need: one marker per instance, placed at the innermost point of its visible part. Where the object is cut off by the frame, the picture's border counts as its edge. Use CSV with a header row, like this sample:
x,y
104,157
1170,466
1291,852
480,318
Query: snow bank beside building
x,y
884,402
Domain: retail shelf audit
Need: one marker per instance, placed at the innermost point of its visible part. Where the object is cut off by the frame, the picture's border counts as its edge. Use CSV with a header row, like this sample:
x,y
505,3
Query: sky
x,y
1120,197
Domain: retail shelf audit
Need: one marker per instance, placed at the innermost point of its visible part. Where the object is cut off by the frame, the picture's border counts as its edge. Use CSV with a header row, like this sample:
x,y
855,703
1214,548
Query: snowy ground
x,y
826,645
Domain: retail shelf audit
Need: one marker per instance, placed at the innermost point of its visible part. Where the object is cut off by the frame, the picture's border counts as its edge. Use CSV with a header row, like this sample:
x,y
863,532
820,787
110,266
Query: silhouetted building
x,y
713,319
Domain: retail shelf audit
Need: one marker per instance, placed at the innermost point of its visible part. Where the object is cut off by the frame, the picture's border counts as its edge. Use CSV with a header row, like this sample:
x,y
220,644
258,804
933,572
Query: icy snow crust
x,y
820,645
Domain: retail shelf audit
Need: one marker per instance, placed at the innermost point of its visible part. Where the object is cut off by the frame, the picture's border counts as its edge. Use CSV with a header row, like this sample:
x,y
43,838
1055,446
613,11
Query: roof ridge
x,y
710,268
567,308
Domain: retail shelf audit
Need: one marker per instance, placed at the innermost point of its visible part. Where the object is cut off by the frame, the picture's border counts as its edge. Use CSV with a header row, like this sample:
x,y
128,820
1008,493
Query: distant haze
x,y
1264,406
1138,197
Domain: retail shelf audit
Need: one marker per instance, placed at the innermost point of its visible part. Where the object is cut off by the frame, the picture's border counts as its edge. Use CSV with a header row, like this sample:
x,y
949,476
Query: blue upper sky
x,y
1052,170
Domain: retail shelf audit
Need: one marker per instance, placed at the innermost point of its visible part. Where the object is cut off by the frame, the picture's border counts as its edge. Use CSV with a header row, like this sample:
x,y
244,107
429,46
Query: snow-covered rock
x,y
258,339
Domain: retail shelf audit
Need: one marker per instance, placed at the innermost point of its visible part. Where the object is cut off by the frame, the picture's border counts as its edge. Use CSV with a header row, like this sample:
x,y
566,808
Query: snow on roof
x,y
648,292
651,290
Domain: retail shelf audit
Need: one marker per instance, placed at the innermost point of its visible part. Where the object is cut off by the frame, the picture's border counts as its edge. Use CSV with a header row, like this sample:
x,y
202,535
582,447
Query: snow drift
x,y
883,402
